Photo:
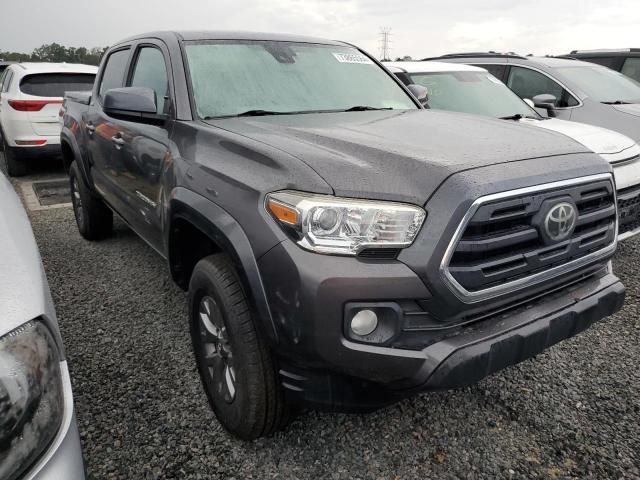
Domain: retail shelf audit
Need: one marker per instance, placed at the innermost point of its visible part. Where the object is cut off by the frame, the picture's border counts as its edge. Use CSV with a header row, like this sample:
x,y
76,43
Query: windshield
x,y
603,84
472,92
232,77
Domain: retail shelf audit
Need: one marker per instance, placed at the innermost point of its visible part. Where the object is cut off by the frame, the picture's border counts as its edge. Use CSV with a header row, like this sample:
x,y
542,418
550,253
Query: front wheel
x,y
236,368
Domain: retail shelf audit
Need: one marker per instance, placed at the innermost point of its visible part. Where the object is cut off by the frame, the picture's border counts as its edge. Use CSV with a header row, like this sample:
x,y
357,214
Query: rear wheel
x,y
93,217
235,366
16,167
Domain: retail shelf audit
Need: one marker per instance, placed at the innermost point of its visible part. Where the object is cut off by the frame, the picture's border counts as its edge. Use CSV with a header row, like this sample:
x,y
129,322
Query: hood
x,y
398,155
604,142
631,109
24,292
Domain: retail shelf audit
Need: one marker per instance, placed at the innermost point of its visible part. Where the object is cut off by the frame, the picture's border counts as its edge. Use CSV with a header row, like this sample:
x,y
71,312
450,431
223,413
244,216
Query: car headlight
x,y
333,225
31,397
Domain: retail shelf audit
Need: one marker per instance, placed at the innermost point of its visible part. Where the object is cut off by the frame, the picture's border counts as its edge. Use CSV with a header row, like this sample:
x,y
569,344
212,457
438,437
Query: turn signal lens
x,y
283,213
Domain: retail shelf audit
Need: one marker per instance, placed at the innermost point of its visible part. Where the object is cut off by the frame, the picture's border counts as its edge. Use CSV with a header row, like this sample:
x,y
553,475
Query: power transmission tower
x,y
385,43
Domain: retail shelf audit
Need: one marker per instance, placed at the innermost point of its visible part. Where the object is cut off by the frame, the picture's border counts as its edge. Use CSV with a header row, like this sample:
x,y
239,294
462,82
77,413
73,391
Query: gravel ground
x,y
573,412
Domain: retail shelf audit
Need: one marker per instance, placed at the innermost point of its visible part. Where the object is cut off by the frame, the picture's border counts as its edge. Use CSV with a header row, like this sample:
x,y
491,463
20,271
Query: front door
x,y
146,146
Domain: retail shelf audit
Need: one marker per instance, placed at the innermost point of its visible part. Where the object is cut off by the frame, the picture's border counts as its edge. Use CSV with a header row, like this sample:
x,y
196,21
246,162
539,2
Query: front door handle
x,y
90,129
118,142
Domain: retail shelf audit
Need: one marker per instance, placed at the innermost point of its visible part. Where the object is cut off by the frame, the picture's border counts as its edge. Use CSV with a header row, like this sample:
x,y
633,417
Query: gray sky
x,y
419,28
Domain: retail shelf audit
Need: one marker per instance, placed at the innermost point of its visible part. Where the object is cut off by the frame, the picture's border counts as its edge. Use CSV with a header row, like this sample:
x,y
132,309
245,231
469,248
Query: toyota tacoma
x,y
342,247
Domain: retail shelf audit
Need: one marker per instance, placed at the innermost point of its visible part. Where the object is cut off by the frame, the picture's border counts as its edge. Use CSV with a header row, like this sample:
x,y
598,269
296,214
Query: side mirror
x,y
137,102
421,93
545,100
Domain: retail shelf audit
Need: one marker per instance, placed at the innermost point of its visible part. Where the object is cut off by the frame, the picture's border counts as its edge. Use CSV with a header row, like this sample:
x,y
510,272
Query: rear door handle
x,y
118,142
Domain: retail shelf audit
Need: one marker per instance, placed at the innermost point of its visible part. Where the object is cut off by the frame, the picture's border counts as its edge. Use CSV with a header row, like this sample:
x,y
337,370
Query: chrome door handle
x,y
118,142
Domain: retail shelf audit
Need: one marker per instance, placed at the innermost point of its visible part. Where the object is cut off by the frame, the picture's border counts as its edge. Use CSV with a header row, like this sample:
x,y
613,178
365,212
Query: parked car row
x,y
348,234
464,88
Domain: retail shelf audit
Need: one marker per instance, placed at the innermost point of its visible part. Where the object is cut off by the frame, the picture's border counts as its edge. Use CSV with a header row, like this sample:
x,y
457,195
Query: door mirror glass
x,y
130,102
420,92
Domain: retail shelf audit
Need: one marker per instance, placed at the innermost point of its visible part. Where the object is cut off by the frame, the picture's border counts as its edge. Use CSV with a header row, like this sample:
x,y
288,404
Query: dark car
x,y
624,60
342,246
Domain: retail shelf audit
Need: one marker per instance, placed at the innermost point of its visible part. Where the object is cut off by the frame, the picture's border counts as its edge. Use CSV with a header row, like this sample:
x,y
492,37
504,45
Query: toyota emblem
x,y
560,221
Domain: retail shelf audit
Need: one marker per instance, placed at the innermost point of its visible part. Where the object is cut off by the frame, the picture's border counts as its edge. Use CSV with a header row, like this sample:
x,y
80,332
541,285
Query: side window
x,y
151,72
495,70
113,74
527,83
631,68
6,80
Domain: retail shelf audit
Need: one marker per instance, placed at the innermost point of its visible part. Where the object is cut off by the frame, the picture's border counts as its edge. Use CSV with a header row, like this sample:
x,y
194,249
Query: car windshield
x,y
472,92
238,77
602,84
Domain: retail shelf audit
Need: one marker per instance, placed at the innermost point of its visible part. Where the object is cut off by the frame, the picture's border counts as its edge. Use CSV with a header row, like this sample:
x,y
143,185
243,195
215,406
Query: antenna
x,y
385,43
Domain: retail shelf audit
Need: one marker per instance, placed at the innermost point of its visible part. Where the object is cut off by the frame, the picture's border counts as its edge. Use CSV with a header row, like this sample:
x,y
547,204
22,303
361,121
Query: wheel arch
x,y
198,228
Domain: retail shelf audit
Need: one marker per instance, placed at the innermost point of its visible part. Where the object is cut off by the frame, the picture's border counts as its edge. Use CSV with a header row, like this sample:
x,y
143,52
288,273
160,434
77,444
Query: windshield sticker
x,y
352,58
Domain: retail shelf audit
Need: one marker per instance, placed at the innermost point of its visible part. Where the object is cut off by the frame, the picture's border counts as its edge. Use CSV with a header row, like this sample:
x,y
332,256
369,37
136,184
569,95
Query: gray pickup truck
x,y
342,246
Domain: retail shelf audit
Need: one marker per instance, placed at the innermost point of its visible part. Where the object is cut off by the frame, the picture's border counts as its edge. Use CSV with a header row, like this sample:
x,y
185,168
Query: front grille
x,y
501,240
628,210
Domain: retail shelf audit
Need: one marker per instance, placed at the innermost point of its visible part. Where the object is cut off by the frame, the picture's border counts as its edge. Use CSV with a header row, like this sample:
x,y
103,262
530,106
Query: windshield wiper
x,y
519,116
362,108
617,102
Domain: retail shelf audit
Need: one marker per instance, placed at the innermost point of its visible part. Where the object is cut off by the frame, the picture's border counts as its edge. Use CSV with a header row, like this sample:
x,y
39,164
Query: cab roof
x,y
196,35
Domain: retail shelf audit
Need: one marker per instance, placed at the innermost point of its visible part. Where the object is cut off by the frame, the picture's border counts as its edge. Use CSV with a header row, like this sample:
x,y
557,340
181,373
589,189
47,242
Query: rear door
x,y
45,91
105,134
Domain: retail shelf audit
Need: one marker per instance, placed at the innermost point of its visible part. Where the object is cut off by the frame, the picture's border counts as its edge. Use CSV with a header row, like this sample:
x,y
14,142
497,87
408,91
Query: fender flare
x,y
66,136
225,232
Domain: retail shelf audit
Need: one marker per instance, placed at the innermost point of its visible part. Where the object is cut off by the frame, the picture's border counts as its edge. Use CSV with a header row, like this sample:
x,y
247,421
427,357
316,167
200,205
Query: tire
x,y
93,217
16,167
235,366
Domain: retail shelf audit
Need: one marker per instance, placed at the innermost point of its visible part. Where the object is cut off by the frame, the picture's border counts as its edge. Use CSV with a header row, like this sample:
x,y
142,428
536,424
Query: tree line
x,y
54,52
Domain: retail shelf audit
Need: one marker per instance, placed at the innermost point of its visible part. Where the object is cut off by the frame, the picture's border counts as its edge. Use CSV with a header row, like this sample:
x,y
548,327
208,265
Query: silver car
x,y
567,89
38,433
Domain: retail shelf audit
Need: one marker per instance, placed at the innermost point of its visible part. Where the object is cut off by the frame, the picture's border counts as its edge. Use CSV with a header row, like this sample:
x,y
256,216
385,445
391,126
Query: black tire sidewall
x,y
15,166
244,417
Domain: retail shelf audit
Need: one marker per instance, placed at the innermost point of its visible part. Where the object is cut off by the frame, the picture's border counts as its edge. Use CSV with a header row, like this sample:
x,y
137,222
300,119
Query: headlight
x,y
345,226
31,397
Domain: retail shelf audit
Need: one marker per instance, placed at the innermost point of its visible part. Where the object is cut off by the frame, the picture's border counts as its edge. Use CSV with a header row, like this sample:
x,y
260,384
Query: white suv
x,y
30,99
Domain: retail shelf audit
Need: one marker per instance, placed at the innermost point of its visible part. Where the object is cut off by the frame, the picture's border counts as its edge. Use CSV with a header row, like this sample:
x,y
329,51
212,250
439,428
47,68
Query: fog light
x,y
364,322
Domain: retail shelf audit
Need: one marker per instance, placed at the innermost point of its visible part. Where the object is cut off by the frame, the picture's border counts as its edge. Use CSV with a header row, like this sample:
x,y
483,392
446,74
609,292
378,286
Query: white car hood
x,y
599,140
24,292
622,152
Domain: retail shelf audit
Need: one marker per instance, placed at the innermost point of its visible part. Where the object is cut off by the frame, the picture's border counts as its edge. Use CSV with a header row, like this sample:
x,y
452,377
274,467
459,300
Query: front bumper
x,y
628,212
321,365
63,459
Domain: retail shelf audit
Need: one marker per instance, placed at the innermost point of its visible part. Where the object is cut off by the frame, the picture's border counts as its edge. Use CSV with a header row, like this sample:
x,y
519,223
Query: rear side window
x,y
55,84
527,83
151,72
631,68
113,74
